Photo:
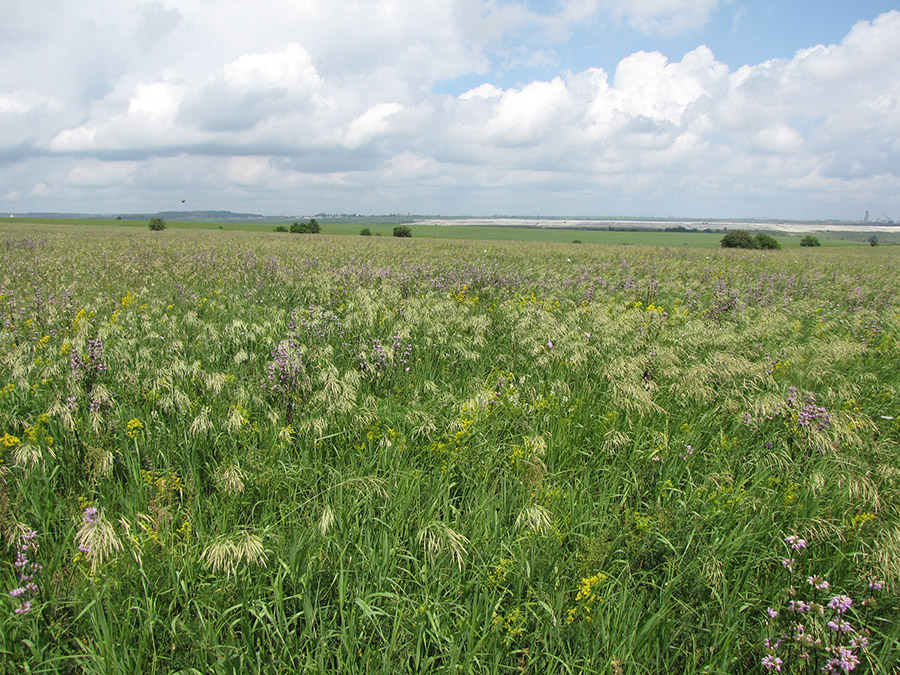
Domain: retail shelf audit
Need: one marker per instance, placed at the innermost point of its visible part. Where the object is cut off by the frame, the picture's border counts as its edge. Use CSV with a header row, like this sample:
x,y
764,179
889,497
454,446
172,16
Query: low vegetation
x,y
743,239
234,452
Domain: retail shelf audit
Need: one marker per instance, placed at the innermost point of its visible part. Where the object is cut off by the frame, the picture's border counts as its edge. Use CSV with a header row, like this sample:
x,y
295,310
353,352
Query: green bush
x,y
767,242
365,232
281,228
738,239
402,231
157,224
312,227
810,240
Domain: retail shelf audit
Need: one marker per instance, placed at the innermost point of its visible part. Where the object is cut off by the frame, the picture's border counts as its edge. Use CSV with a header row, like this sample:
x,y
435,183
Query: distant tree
x,y
767,242
312,227
402,231
157,224
873,240
281,228
366,232
738,239
810,240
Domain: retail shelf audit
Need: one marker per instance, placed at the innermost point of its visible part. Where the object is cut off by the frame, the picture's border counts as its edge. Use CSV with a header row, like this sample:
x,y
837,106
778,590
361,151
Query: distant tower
x,y
866,219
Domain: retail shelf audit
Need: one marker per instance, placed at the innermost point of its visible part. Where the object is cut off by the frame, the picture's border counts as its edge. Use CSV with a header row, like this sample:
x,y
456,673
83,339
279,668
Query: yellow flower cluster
x,y
585,598
133,428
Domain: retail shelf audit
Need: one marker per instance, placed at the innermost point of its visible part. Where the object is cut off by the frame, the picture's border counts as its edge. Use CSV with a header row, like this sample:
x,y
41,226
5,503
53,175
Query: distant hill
x,y
216,216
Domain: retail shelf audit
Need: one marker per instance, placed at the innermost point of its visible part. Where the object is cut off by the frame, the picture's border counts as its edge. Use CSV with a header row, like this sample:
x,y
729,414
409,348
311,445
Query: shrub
x,y
810,240
767,242
365,232
738,239
402,231
873,240
281,228
157,224
312,227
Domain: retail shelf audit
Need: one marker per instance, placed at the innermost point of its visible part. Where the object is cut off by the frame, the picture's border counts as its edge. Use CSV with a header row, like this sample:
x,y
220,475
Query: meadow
x,y
237,452
692,239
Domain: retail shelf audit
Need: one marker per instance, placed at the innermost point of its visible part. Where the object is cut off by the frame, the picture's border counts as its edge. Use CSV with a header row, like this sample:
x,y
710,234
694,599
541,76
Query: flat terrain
x,y
237,451
482,232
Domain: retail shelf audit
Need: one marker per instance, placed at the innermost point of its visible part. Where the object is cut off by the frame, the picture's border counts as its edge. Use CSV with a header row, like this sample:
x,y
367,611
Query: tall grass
x,y
241,453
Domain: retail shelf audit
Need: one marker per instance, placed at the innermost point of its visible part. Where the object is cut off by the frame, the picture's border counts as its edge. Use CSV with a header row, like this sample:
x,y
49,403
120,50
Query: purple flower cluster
x,y
27,569
317,325
286,372
808,631
377,359
843,660
90,365
91,515
810,415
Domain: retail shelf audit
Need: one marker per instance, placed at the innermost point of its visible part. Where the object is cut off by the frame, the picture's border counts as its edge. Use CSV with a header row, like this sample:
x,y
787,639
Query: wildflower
x,y
840,603
840,626
772,612
788,563
795,542
844,660
876,585
27,569
818,582
133,428
772,662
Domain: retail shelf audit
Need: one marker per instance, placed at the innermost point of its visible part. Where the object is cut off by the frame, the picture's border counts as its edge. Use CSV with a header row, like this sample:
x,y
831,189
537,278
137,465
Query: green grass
x,y
469,232
372,455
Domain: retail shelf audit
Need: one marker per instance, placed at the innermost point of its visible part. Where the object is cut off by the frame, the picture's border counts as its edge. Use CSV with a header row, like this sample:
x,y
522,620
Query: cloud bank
x,y
301,107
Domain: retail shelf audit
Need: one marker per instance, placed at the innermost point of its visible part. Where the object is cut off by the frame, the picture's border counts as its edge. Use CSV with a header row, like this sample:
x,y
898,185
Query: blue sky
x,y
705,108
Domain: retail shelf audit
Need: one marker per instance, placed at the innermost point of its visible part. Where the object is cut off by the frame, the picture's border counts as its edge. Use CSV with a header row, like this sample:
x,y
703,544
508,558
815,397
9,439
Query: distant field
x,y
643,238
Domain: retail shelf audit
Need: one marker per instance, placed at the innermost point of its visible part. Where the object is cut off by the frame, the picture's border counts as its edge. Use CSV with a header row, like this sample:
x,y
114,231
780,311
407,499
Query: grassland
x,y
471,233
233,452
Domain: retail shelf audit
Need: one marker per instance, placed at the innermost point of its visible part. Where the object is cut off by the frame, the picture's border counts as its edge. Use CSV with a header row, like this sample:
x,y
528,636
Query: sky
x,y
654,108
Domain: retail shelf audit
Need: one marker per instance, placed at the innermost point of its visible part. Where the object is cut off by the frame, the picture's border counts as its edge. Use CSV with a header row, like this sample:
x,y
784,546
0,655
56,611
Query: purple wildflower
x,y
798,606
818,582
91,515
795,542
840,603
840,626
772,662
